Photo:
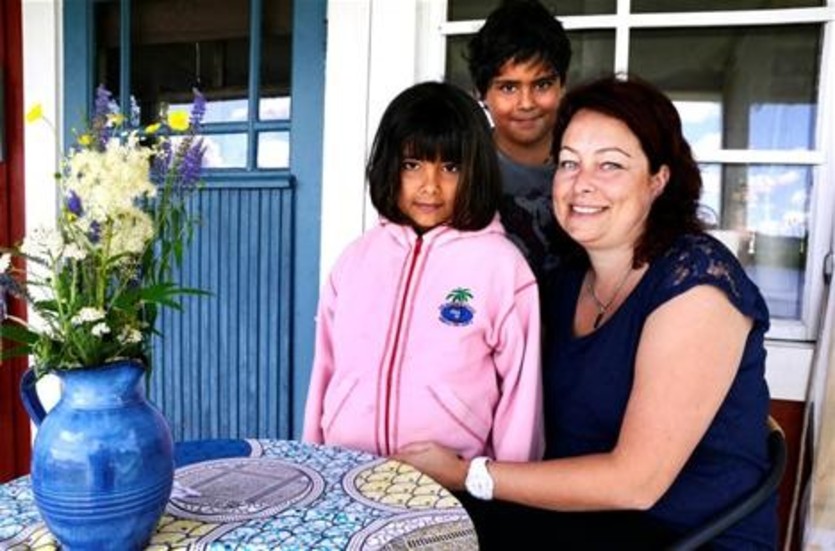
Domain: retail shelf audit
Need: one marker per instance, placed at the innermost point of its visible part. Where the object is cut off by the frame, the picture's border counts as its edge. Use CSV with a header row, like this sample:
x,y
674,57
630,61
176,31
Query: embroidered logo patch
x,y
456,311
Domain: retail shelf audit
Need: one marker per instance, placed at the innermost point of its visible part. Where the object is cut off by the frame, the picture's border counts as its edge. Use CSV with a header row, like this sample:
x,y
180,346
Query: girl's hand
x,y
439,463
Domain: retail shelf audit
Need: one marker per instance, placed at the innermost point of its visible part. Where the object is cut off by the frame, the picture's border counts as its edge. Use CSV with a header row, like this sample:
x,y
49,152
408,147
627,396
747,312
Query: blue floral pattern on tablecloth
x,y
358,501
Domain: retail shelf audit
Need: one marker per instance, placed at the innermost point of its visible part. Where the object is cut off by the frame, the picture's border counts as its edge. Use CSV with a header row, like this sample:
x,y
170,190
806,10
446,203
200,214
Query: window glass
x,y
593,54
462,10
644,6
767,206
223,150
108,27
710,210
274,150
177,45
765,78
276,42
761,211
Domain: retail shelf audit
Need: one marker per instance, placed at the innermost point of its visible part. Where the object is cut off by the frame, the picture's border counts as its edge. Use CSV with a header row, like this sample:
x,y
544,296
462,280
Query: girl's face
x,y
427,192
603,190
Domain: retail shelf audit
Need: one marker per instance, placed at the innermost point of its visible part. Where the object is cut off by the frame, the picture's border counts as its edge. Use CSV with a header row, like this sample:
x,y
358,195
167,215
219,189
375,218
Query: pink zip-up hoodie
x,y
429,338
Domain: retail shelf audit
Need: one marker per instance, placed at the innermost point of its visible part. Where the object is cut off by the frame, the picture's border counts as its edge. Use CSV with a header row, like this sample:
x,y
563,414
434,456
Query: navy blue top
x,y
588,381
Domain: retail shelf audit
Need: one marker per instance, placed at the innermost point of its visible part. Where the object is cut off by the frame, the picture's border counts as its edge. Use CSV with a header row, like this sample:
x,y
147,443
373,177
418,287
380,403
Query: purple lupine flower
x,y
161,162
192,164
104,103
135,111
198,109
9,286
95,232
4,307
74,204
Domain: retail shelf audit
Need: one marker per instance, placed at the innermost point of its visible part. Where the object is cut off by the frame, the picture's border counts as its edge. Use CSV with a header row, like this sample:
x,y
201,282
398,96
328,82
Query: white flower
x,y
131,336
73,252
87,315
43,243
132,231
5,262
100,329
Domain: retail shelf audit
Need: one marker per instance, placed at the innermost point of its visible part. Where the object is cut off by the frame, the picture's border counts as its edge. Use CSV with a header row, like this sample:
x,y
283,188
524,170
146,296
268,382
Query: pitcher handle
x,y
29,396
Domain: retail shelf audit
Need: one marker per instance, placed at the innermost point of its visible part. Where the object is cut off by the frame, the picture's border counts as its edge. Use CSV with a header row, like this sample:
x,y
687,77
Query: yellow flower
x,y
178,120
85,139
115,119
152,128
35,113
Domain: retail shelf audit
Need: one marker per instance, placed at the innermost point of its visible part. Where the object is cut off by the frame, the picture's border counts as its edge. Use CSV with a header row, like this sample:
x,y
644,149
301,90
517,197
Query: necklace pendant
x,y
598,319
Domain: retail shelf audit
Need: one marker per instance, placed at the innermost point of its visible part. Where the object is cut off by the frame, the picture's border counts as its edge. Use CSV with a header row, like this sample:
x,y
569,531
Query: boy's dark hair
x,y
654,120
436,121
517,31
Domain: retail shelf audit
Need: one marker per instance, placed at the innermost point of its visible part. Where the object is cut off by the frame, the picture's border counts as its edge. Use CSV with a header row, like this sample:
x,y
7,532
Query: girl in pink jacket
x,y
428,326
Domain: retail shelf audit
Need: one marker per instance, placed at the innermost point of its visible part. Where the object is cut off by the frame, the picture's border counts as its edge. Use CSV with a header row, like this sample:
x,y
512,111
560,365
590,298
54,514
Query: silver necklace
x,y
603,307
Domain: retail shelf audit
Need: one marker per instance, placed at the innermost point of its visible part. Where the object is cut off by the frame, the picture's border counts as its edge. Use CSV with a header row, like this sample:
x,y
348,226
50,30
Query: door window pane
x,y
274,150
766,78
275,60
107,30
177,45
225,150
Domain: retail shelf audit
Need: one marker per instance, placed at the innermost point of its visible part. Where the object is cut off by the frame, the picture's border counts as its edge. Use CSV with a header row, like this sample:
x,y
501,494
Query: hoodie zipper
x,y
393,357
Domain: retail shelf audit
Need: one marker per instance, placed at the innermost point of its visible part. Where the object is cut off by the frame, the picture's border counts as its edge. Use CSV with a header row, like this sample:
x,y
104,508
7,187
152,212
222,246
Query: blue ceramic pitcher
x,y
102,462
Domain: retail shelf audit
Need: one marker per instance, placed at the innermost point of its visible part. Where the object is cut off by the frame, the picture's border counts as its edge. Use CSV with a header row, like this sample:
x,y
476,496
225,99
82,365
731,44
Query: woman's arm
x,y
687,358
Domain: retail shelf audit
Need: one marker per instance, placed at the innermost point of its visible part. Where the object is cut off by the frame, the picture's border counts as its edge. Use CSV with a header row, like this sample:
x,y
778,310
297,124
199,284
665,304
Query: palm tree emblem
x,y
456,310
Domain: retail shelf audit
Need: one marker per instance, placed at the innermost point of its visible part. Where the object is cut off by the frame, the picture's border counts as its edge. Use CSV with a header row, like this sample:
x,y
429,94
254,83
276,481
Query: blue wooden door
x,y
235,363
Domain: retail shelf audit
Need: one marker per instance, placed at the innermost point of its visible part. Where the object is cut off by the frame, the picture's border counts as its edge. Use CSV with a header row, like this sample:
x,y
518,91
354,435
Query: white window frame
x,y
436,30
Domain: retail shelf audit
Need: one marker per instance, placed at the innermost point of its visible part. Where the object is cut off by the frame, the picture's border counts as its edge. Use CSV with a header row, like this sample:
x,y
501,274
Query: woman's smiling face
x,y
603,189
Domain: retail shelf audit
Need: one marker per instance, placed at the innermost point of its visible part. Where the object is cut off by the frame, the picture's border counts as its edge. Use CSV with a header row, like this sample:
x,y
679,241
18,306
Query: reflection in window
x,y
768,206
222,150
276,46
711,200
274,150
234,110
745,68
593,55
782,126
702,123
461,10
640,6
274,108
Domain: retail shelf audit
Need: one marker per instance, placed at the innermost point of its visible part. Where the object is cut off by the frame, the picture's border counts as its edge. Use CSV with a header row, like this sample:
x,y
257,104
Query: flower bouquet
x,y
97,279
102,461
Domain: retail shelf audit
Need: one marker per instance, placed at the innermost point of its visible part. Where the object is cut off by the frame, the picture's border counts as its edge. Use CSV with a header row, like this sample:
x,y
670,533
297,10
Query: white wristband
x,y
479,483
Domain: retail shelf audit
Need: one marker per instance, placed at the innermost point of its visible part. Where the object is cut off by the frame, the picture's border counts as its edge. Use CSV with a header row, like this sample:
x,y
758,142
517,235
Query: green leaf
x,y
16,352
18,333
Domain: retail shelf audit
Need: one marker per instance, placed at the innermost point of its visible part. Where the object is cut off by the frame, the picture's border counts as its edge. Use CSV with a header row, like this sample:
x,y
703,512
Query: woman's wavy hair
x,y
653,119
436,121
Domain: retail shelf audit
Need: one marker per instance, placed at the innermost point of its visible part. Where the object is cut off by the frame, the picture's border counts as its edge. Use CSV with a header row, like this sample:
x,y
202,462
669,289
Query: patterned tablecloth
x,y
283,495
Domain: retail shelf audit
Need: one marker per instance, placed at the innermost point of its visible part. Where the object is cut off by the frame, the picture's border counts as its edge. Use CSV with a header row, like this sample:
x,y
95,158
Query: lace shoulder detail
x,y
703,260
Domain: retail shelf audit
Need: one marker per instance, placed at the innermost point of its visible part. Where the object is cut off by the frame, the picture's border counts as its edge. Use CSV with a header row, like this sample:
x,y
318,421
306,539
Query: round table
x,y
279,494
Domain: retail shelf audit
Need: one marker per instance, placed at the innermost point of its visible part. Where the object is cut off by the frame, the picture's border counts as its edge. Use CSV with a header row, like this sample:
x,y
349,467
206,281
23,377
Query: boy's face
x,y
522,99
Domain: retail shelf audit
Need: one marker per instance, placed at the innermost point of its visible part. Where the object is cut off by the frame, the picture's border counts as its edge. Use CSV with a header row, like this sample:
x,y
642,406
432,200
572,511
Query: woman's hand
x,y
440,463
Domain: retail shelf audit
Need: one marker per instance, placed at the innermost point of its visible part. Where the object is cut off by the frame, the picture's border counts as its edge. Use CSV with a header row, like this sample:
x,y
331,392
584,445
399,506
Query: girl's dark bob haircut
x,y
436,121
653,119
